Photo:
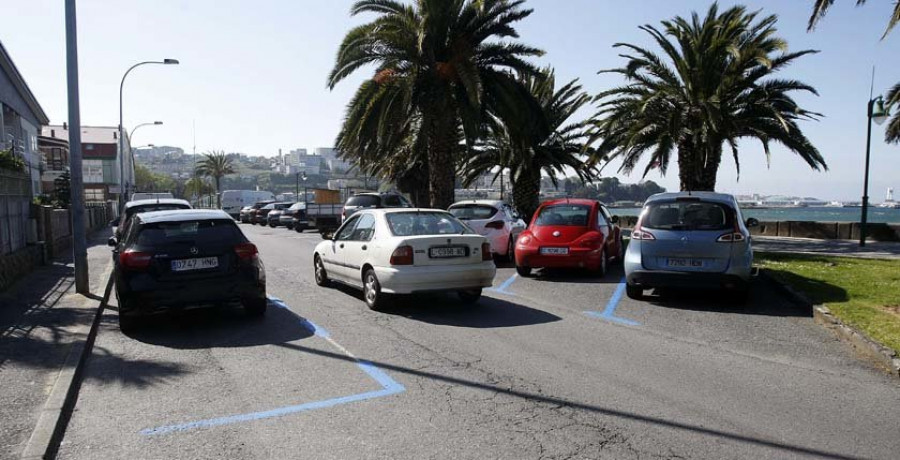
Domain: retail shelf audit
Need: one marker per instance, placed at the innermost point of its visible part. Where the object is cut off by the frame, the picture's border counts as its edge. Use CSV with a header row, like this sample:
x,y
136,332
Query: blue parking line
x,y
389,387
502,289
609,313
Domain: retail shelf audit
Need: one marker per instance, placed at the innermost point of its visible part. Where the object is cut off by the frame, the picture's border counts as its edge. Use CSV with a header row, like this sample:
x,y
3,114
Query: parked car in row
x,y
185,258
149,205
261,215
373,201
495,220
690,239
405,251
569,233
248,214
294,217
273,218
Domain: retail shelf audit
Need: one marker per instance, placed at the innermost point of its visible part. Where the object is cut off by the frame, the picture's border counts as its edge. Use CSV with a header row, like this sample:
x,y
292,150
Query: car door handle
x,y
342,245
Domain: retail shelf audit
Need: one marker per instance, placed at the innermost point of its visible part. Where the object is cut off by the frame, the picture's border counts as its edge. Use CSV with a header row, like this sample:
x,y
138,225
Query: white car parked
x,y
405,251
495,220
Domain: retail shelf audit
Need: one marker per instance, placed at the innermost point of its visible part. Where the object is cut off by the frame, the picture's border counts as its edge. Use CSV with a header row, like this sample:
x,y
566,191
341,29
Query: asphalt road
x,y
558,366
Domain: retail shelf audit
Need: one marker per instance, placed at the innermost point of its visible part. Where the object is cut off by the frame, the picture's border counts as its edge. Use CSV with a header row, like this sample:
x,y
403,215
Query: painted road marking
x,y
388,387
609,313
502,289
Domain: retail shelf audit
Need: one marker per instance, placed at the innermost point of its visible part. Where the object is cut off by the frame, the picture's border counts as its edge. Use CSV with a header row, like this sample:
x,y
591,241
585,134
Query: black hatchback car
x,y
169,260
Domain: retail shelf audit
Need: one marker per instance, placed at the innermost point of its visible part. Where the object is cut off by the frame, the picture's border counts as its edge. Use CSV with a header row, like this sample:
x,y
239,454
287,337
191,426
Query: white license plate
x,y
695,263
442,253
195,264
555,251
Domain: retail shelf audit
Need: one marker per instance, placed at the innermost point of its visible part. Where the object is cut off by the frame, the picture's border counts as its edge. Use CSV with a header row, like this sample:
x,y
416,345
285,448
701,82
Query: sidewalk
x,y
847,248
39,319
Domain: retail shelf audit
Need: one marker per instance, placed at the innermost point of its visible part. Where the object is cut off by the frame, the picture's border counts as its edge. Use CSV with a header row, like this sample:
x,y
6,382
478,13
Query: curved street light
x,y
878,114
122,192
131,134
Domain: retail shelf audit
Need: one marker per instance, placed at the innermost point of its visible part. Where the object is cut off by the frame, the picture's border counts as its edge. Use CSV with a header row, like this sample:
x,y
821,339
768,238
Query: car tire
x,y
524,272
319,270
634,291
620,258
256,306
289,226
469,296
604,262
372,291
511,250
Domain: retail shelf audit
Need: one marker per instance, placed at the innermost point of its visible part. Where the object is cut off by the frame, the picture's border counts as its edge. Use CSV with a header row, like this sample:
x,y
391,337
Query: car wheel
x,y
372,291
523,271
321,274
511,250
634,291
256,306
620,257
604,261
469,296
289,226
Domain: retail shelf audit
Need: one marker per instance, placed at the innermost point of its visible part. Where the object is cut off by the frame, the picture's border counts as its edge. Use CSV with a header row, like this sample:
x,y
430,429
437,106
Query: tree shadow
x,y
488,312
223,327
816,290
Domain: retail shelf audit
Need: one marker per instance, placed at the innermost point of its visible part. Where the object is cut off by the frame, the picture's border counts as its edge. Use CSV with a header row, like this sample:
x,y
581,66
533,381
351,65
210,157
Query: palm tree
x,y
535,138
708,89
215,165
438,69
821,8
892,134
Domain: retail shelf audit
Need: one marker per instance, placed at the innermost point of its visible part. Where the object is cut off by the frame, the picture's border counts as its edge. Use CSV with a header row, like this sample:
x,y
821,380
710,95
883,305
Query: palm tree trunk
x,y
526,193
441,124
697,169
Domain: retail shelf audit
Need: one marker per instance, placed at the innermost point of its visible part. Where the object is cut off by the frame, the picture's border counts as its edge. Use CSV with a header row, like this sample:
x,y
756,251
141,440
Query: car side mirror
x,y
752,222
112,242
614,219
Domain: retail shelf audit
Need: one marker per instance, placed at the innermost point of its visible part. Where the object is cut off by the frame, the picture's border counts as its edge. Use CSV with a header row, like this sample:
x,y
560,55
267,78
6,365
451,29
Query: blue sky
x,y
252,74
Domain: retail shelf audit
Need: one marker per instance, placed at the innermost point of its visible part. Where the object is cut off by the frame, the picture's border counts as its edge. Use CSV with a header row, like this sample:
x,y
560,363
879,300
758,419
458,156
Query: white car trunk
x,y
445,249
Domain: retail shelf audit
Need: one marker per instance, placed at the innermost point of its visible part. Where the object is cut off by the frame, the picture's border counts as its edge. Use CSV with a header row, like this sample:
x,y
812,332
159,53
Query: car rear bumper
x,y
576,258
659,278
408,280
159,297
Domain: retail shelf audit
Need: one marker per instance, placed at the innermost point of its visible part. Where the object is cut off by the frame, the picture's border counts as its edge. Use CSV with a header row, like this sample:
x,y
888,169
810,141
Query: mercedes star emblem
x,y
194,251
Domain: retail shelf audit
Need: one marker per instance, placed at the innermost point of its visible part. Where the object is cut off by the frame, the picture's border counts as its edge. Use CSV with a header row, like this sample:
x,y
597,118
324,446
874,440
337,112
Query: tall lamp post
x,y
877,113
301,176
122,130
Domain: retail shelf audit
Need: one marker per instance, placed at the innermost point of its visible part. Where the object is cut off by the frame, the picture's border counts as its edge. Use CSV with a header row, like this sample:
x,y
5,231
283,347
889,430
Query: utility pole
x,y
79,239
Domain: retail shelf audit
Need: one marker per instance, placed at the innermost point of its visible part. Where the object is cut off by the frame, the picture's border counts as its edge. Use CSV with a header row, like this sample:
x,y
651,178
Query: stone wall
x,y
15,265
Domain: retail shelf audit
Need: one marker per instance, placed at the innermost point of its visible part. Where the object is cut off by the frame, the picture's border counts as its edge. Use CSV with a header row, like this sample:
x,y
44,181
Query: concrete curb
x,y
882,356
54,417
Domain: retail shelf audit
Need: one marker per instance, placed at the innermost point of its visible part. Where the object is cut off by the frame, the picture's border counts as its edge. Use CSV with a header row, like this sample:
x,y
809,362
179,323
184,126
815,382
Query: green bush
x,y
11,162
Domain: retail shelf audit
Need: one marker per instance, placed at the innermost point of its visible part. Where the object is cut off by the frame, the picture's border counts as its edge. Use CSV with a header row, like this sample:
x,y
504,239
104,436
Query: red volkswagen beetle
x,y
574,233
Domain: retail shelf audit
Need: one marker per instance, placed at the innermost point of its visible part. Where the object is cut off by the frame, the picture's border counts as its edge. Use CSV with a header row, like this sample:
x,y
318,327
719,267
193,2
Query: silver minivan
x,y
690,239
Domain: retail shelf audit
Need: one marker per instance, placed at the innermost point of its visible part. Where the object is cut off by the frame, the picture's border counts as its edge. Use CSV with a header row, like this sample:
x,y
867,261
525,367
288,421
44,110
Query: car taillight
x,y
732,237
486,251
134,260
496,225
402,256
591,243
640,234
246,251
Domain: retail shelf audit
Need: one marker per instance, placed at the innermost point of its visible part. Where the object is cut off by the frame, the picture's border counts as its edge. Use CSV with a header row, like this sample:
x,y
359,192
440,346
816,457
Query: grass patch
x,y
864,293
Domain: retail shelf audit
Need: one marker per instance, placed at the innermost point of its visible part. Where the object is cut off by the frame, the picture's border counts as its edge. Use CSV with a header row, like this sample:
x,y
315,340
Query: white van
x,y
234,200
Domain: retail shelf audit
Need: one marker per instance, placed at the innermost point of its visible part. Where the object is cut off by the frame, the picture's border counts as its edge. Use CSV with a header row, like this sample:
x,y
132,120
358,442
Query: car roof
x,y
495,203
181,215
583,201
705,196
134,203
399,210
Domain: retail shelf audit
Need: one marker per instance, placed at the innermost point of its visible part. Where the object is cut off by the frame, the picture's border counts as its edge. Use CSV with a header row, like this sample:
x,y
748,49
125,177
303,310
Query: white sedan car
x,y
405,251
494,219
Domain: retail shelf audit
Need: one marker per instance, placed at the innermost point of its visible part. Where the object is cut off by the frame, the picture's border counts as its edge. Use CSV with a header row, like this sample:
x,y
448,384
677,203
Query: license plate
x,y
694,263
555,251
195,264
447,252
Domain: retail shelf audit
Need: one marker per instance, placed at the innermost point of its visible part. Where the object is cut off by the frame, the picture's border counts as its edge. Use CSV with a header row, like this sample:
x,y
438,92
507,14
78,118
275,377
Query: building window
x,y
92,170
94,195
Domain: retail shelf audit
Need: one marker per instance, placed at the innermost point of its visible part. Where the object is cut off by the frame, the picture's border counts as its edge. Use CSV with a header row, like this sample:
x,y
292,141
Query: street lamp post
x,y
122,130
298,186
876,112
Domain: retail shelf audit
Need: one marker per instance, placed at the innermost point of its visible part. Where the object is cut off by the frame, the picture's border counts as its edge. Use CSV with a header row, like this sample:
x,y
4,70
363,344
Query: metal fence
x,y
15,200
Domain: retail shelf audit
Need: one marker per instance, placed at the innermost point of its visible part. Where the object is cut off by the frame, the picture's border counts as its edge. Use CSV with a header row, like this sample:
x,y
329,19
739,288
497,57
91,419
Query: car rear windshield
x,y
688,215
572,215
281,206
363,201
297,206
154,207
425,223
473,211
162,234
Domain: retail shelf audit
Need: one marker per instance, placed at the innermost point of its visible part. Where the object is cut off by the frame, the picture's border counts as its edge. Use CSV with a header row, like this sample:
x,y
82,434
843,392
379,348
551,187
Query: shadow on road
x,y
763,299
613,275
225,327
784,448
489,312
